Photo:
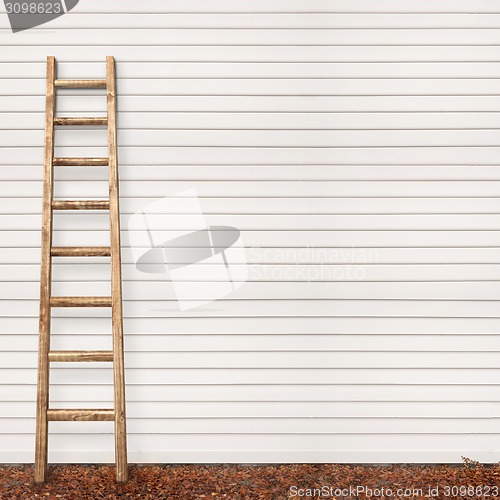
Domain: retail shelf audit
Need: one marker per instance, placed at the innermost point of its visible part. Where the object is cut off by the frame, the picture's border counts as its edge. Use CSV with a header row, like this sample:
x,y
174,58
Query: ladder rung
x,y
80,301
80,162
77,415
80,205
89,121
80,84
73,356
80,252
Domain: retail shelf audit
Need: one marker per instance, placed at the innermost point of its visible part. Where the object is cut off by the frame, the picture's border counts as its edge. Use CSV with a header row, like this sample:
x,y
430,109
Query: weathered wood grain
x,y
41,440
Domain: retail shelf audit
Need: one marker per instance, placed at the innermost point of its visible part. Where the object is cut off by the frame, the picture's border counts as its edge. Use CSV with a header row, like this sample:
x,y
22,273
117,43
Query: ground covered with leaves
x,y
469,481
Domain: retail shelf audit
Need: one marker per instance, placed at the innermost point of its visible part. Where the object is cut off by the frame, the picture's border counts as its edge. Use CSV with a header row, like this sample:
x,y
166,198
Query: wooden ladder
x,y
44,414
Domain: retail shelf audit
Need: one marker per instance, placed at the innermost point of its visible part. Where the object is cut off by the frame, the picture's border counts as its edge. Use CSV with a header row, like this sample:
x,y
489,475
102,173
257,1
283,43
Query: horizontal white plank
x,y
324,20
266,70
61,374
204,392
265,173
285,359
458,443
284,206
253,457
266,426
254,53
173,409
268,156
262,139
155,290
311,239
268,273
268,341
261,326
299,6
34,120
257,104
169,224
325,308
279,189
276,308
98,37
255,189
303,256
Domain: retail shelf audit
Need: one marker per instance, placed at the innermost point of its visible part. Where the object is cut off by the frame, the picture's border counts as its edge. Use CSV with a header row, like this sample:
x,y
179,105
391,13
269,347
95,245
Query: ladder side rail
x,y
41,444
116,280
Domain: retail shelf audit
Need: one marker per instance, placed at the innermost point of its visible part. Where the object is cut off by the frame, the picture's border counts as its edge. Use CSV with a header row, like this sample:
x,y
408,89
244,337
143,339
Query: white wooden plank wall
x,y
355,144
